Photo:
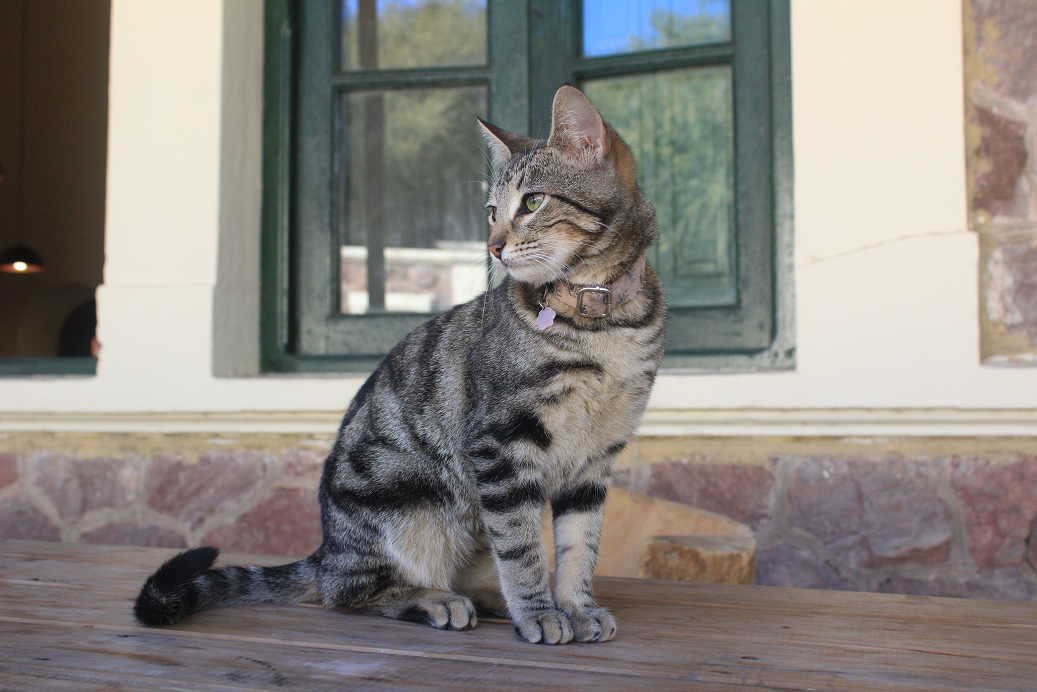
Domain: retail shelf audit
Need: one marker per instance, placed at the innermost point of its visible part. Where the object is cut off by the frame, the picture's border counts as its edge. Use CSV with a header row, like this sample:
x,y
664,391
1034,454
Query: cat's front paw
x,y
544,627
593,625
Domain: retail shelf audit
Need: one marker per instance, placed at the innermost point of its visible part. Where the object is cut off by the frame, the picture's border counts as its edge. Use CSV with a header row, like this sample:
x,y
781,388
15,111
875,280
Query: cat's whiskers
x,y
483,264
552,261
557,269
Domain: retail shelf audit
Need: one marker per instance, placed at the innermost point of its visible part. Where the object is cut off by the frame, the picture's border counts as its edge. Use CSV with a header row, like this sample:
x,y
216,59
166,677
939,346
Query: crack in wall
x,y
814,259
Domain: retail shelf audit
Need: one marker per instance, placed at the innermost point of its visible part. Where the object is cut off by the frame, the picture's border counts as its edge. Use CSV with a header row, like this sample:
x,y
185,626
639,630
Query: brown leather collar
x,y
599,301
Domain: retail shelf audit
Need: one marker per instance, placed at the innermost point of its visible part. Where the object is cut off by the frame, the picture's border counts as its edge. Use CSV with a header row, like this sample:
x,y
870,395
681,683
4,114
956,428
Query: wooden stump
x,y
713,559
648,538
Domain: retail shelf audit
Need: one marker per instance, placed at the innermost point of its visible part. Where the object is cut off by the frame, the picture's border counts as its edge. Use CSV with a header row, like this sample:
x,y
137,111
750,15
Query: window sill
x,y
32,367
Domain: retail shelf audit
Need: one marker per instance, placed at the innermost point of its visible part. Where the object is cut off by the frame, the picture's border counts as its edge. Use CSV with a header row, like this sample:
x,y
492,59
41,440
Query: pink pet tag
x,y
546,317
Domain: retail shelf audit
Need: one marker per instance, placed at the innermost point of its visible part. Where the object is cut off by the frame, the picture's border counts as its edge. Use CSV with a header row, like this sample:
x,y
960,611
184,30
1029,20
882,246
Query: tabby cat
x,y
432,496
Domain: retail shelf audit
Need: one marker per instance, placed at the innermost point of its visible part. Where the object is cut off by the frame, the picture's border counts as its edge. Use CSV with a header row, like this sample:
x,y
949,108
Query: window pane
x,y
629,26
388,34
412,184
679,124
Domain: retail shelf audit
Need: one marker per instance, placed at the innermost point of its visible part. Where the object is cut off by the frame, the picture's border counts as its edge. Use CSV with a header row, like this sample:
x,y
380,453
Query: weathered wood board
x,y
65,624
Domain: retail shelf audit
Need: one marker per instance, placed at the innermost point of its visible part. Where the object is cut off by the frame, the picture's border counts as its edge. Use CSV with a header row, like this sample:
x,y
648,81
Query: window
x,y
375,174
53,155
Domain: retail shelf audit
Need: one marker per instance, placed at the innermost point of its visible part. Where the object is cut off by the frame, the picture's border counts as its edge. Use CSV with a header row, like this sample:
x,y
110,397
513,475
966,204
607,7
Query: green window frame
x,y
533,47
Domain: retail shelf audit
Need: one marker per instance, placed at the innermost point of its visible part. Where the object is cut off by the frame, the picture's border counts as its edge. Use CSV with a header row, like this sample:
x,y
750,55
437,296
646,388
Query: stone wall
x,y
945,517
255,494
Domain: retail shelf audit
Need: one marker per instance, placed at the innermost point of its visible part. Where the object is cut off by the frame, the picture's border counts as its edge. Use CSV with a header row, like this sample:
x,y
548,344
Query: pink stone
x,y
19,518
130,534
824,499
8,469
1004,38
738,491
285,523
1000,502
77,486
1003,150
1015,265
304,464
1004,584
192,493
789,565
905,518
872,512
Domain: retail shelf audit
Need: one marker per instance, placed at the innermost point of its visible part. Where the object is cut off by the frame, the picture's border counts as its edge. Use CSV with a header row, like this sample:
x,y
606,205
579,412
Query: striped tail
x,y
187,583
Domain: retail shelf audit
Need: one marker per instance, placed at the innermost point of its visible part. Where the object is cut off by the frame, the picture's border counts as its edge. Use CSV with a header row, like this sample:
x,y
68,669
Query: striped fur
x,y
432,496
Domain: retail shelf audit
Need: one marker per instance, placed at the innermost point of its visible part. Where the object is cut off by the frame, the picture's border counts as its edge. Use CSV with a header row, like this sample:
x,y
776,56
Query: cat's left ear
x,y
576,126
503,144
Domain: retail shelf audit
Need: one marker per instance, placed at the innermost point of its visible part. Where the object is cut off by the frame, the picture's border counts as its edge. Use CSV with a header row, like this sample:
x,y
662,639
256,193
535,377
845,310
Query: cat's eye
x,y
534,201
493,214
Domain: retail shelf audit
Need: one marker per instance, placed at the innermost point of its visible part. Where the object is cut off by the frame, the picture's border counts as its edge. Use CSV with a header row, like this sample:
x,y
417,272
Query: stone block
x,y
1003,584
1011,293
1002,149
871,512
824,499
19,518
1002,34
192,493
742,492
132,534
285,523
1000,501
905,518
77,486
8,469
784,564
304,465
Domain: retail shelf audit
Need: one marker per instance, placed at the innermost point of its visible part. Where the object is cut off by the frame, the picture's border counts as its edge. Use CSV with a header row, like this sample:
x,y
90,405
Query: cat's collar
x,y
600,301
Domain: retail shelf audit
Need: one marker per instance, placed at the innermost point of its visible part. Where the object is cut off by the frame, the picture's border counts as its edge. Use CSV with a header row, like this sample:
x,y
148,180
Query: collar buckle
x,y
594,301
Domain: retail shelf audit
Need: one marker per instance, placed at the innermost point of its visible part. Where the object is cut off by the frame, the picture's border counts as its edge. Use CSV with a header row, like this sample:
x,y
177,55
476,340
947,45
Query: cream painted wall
x,y
885,271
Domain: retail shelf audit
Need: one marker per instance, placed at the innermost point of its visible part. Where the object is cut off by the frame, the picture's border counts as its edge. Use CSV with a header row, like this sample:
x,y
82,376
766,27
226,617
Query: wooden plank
x,y
162,654
721,656
71,605
99,656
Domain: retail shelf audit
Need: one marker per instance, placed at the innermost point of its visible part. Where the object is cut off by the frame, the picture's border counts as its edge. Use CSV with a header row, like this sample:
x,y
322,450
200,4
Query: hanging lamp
x,y
20,259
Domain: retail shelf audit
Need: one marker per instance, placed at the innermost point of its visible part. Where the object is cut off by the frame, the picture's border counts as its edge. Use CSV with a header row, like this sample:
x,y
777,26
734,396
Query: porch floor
x,y
65,624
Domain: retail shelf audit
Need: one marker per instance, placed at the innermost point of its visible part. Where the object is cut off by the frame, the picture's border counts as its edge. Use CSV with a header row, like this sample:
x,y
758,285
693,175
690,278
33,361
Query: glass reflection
x,y
411,190
394,34
630,26
679,125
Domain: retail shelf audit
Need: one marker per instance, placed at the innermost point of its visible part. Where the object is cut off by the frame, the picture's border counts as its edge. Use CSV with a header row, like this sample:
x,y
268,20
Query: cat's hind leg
x,y
441,609
373,582
407,574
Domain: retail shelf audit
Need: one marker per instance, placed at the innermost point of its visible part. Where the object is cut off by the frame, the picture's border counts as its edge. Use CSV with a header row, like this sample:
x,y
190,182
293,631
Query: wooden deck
x,y
65,624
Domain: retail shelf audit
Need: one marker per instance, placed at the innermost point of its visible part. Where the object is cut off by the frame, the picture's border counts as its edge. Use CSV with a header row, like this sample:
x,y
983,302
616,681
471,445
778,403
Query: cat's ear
x,y
576,126
502,144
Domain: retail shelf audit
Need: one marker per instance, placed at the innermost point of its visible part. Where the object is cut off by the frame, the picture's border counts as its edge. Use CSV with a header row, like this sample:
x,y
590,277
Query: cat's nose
x,y
496,249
